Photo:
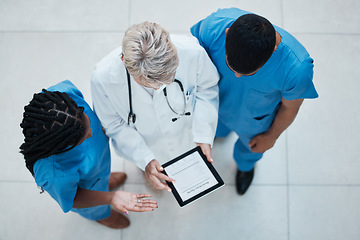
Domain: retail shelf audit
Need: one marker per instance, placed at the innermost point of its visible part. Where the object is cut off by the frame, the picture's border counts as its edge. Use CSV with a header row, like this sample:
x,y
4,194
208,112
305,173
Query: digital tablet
x,y
194,176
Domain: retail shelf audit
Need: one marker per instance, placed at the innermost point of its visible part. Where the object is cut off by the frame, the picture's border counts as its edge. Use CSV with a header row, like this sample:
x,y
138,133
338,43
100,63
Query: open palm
x,y
127,201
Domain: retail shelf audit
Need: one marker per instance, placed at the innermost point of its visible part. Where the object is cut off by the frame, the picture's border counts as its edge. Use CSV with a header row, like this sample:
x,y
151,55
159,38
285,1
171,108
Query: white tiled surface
x,y
324,212
323,143
306,187
322,16
65,15
221,215
186,13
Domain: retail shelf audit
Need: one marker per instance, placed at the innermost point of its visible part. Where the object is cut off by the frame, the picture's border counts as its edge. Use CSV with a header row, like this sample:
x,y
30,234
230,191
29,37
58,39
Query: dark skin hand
x,y
284,117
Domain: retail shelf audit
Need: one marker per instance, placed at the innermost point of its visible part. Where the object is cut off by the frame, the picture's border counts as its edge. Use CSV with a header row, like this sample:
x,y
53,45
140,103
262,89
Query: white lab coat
x,y
154,135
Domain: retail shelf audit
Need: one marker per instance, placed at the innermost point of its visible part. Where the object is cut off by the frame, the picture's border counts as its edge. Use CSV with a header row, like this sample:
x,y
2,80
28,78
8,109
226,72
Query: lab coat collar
x,y
139,92
161,88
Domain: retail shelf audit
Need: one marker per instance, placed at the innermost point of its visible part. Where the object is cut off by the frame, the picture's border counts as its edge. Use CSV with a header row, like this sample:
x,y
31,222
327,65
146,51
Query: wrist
x,y
273,134
109,197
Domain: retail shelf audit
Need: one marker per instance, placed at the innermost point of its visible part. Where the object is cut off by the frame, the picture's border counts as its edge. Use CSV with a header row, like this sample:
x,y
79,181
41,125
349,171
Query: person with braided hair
x,y
67,152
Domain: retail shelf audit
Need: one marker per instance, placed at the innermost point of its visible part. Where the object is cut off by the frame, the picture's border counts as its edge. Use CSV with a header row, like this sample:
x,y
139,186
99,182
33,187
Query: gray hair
x,y
149,54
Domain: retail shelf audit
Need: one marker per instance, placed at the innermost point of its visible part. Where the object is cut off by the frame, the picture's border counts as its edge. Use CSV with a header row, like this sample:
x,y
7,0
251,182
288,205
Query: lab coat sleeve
x,y
128,143
207,100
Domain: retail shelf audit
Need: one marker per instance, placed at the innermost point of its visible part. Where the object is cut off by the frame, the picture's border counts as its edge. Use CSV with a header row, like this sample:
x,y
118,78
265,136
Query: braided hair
x,y
52,123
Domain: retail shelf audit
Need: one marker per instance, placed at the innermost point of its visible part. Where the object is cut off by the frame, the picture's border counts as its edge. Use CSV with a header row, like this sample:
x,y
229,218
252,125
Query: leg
x,y
116,220
104,215
116,180
244,157
245,160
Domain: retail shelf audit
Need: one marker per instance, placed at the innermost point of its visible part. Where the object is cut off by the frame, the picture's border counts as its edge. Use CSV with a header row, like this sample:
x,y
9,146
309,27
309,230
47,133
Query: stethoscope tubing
x,y
167,100
132,115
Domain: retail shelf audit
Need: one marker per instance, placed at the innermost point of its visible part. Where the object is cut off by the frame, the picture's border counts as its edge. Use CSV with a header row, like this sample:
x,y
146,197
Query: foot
x,y
116,220
116,179
243,180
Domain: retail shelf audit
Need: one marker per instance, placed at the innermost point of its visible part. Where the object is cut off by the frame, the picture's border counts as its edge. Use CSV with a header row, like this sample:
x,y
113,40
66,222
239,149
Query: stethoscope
x,y
132,115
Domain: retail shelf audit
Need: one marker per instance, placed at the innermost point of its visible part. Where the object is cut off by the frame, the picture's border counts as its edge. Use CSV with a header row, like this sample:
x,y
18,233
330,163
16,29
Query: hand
x,y
206,149
262,142
126,201
153,173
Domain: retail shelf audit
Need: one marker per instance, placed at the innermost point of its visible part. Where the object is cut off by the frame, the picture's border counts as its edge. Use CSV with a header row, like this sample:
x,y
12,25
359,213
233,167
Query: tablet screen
x,y
194,176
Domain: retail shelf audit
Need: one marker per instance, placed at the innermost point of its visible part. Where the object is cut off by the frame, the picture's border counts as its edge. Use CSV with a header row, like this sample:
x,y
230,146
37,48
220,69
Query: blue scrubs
x,y
248,105
86,166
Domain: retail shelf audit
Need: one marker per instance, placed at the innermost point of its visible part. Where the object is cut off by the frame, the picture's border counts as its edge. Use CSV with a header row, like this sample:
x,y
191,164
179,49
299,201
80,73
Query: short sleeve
x,y
299,83
201,33
62,190
68,87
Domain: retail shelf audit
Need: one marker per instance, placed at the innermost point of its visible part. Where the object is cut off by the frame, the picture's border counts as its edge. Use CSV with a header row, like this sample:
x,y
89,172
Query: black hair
x,y
250,41
52,123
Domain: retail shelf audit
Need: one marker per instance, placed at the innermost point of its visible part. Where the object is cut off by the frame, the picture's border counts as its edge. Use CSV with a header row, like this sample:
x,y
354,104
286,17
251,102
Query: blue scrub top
x,y
250,103
86,166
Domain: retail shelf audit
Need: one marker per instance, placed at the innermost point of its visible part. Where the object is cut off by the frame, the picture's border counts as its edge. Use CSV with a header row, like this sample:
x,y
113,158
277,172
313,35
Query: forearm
x,y
284,117
85,198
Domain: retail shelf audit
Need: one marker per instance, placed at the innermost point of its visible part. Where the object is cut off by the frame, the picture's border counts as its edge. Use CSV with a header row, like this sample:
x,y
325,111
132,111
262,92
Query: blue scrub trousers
x,y
245,159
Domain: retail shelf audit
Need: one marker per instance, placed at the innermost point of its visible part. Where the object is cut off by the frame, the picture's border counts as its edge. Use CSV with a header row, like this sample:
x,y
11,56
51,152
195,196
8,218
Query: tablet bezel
x,y
201,194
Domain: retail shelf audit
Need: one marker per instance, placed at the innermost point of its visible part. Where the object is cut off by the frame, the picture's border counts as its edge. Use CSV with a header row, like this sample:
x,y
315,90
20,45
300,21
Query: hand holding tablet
x,y
194,176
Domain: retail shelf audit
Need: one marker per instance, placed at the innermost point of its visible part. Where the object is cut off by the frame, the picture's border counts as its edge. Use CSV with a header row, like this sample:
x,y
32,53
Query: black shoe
x,y
243,180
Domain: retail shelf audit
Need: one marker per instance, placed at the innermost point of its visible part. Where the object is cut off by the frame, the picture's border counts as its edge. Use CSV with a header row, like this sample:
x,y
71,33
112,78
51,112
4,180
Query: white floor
x,y
306,187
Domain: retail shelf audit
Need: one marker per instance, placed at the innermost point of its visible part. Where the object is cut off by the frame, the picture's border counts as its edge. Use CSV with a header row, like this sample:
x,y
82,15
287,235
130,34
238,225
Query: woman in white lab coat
x,y
171,117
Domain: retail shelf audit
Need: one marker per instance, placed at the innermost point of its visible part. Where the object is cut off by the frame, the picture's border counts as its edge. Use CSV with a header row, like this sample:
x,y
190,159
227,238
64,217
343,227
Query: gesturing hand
x,y
127,201
153,173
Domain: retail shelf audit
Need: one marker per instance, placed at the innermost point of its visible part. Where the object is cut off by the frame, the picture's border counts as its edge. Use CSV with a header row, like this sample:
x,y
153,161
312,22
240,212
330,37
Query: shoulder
x,y
211,30
219,21
297,67
185,42
230,13
57,166
66,87
109,69
225,15
292,46
188,49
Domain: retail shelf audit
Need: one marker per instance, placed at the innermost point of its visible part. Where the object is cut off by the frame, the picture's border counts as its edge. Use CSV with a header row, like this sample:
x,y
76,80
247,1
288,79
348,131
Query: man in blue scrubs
x,y
265,76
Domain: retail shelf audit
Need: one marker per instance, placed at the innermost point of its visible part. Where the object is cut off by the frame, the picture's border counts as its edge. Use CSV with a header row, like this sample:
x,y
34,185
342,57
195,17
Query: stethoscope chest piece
x,y
131,118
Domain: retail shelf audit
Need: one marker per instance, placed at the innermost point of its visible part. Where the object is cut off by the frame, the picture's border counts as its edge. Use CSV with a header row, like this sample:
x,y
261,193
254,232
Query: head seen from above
x,y
149,55
250,41
52,123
